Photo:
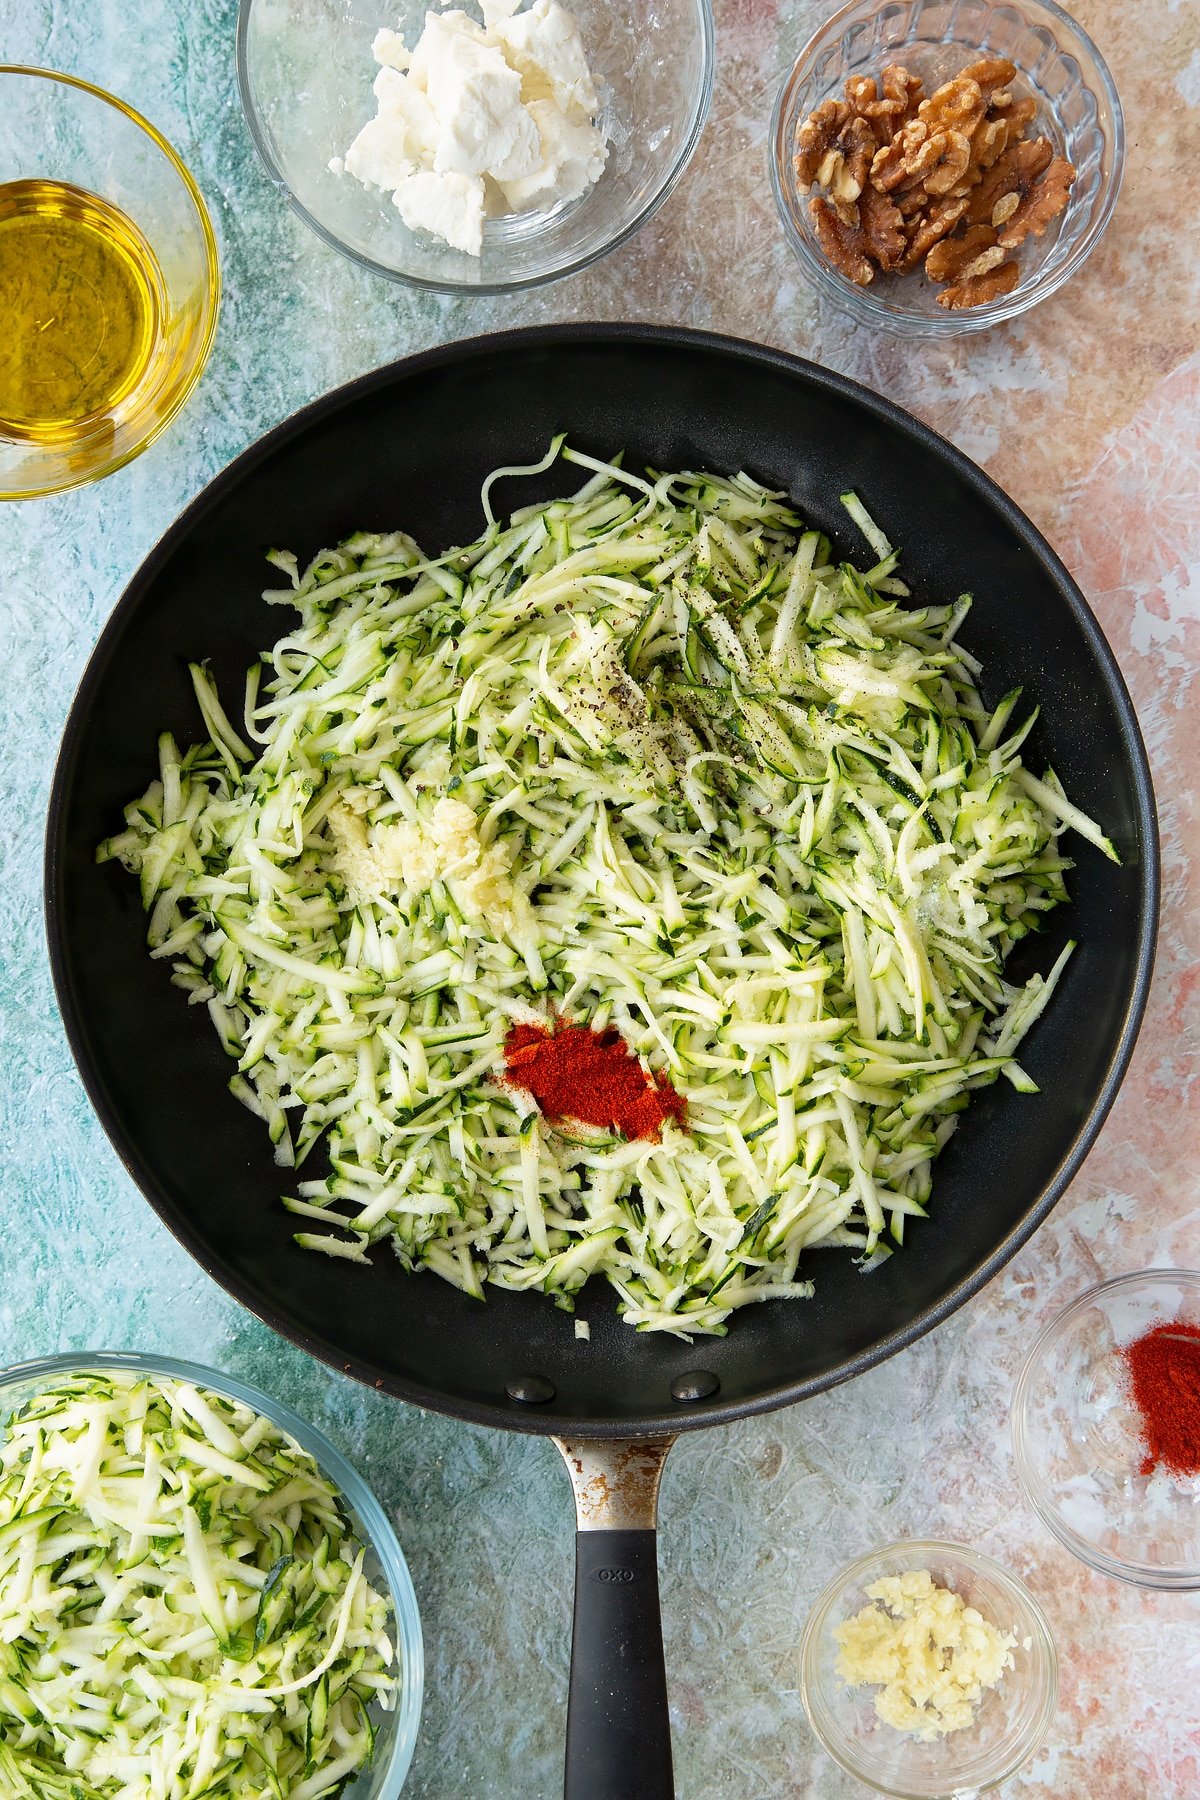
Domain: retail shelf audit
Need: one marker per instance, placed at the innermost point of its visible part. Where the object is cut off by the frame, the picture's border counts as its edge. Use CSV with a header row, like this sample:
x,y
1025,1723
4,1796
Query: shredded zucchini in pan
x,y
648,757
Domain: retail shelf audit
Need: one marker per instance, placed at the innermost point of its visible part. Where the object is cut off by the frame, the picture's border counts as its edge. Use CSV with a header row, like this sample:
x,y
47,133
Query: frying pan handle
x,y
618,1732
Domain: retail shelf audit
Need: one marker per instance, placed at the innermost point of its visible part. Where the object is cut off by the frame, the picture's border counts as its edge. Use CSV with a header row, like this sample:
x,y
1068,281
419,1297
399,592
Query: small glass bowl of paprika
x,y
1106,1428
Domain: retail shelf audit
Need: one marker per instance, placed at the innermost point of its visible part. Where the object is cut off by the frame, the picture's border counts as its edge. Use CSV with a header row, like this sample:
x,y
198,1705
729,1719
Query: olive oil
x,y
80,309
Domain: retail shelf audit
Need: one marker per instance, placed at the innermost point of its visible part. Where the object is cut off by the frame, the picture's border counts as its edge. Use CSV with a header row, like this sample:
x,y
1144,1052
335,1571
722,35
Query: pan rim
x,y
600,335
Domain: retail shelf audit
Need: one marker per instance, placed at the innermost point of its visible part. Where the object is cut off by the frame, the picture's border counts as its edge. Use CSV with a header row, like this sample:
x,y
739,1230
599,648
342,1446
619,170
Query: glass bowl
x,y
1078,110
384,1563
305,70
55,128
1011,1720
1077,1436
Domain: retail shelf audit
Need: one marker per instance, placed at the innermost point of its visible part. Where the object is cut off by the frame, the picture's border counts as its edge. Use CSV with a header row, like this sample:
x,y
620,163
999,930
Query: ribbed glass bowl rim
x,y
212,261
385,1782
703,10
1069,33
1172,1578
874,1563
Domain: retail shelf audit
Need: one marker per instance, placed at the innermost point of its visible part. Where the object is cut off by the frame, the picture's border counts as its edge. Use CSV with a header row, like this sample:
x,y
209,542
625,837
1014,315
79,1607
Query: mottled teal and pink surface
x,y
1088,412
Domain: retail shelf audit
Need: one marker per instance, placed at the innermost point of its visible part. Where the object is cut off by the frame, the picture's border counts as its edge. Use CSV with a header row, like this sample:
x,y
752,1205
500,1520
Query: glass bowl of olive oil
x,y
109,283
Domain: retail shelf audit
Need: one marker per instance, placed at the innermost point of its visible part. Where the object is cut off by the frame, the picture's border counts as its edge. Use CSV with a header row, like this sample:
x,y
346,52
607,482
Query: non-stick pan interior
x,y
410,446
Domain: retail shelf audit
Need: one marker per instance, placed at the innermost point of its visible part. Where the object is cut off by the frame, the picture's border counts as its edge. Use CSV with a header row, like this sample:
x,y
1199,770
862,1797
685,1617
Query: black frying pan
x,y
409,446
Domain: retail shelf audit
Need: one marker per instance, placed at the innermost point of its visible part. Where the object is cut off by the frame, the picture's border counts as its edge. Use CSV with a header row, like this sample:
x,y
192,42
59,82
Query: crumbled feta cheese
x,y
389,47
480,118
476,99
932,1656
447,204
443,31
379,156
572,158
544,44
401,100
398,140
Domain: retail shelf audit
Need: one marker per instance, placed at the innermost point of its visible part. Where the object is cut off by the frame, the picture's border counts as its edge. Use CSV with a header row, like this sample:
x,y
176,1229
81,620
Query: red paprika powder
x,y
574,1072
1164,1375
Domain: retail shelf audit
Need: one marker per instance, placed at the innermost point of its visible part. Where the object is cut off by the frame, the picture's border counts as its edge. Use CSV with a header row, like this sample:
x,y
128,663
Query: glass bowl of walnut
x,y
943,165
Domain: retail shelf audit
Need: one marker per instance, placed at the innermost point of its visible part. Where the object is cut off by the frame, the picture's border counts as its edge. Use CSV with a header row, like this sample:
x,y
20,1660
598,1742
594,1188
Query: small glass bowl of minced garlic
x,y
109,283
927,1671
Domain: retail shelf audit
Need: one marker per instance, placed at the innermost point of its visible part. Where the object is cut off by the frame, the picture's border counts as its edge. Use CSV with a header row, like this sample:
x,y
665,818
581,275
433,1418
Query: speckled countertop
x,y
1088,412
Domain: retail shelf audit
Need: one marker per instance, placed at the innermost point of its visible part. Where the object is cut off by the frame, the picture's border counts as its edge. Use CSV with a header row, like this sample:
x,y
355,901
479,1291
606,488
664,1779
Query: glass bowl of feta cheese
x,y
479,148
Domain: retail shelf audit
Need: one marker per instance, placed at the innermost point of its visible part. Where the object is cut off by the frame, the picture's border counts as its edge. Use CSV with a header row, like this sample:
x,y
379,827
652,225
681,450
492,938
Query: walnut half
x,y
955,257
1041,202
977,290
844,245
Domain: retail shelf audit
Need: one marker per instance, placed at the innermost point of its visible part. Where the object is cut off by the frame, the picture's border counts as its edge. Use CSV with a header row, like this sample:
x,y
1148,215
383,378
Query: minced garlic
x,y
376,861
932,1657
